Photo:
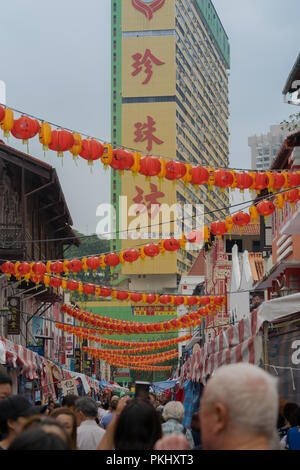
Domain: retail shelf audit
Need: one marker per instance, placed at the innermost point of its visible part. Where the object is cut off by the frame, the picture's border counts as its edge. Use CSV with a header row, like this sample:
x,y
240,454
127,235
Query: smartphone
x,y
142,389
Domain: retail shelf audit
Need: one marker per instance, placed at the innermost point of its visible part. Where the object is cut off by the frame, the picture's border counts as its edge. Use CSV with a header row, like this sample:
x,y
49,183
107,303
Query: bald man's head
x,y
239,400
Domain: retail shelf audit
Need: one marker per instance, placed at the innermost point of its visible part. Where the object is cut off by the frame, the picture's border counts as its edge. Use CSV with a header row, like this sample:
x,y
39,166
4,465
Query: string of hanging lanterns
x,y
124,344
241,219
91,150
185,321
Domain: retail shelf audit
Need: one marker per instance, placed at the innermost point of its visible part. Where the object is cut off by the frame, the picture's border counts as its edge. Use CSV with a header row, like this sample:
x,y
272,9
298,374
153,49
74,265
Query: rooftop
x,y
293,76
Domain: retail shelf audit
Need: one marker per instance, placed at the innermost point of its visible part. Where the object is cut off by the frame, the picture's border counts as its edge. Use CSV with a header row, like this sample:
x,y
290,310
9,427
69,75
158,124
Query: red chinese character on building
x,y
148,8
145,61
145,132
148,200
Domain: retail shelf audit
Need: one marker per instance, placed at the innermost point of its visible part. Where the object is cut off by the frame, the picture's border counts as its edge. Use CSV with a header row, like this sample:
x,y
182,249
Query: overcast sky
x,y
55,60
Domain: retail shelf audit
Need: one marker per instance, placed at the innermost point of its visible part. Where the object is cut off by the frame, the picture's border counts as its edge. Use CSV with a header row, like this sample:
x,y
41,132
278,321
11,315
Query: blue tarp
x,y
162,386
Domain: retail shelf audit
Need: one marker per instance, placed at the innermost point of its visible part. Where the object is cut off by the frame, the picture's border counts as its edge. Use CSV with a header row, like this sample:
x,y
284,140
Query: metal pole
x,y
265,344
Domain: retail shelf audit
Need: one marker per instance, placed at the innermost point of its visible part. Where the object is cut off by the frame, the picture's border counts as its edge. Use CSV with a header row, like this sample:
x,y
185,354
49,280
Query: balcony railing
x,y
11,237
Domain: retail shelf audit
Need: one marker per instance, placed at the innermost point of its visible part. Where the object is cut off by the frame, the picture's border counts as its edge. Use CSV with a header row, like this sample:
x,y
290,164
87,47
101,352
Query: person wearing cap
x,y
113,408
13,413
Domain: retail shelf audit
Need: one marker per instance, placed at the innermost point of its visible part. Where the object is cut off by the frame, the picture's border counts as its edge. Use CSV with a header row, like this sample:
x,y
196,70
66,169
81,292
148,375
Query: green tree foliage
x,y
293,124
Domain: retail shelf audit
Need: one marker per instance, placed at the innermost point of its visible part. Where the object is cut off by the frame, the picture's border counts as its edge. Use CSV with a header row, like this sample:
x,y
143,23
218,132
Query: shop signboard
x,y
13,318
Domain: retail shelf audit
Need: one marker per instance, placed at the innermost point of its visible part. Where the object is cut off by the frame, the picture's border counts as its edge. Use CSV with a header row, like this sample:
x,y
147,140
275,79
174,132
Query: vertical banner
x,y
13,319
77,360
69,344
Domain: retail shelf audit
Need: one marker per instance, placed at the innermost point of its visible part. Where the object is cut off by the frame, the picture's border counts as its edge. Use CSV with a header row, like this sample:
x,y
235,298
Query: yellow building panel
x,y
141,15
150,128
148,66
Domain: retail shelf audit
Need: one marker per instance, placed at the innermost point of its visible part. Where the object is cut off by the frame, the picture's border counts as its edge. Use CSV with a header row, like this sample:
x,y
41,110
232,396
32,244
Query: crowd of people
x,y
240,409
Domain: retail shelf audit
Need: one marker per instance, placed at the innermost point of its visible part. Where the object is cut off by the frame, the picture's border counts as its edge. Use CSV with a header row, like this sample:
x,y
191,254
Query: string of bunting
x,y
62,140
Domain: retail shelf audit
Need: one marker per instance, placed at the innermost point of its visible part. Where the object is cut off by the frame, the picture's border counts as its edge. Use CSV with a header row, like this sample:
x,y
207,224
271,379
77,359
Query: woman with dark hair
x,y
49,425
67,419
135,426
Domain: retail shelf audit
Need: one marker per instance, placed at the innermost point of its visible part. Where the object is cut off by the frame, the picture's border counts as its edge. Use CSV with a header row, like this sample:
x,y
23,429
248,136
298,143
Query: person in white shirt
x,y
89,434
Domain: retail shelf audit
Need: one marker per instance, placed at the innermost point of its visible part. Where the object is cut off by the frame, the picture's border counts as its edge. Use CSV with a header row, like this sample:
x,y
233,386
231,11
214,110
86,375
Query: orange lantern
x,y
278,180
57,267
254,215
107,155
279,201
61,141
229,224
93,263
151,250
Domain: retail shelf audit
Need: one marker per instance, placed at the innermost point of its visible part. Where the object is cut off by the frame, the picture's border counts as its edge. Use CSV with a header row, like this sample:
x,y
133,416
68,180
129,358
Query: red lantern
x,y
265,208
112,259
199,175
57,267
122,160
130,256
151,250
55,282
218,228
191,301
105,292
278,180
178,300
25,128
39,269
75,265
292,196
135,297
93,263
72,285
61,141
171,244
23,268
173,171
150,166
89,289
165,299
293,179
241,219
243,181
91,150
261,181
2,113
150,298
8,268
204,301
122,295
223,178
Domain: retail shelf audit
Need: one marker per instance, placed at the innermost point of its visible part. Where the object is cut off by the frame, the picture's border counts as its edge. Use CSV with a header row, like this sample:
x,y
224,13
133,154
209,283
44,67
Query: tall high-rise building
x,y
170,62
265,147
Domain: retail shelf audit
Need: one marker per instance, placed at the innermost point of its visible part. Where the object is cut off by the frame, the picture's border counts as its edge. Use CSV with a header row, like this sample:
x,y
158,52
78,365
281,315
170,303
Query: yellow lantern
x,y
107,155
253,213
8,122
76,149
206,233
162,173
45,135
279,201
136,166
187,177
211,178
